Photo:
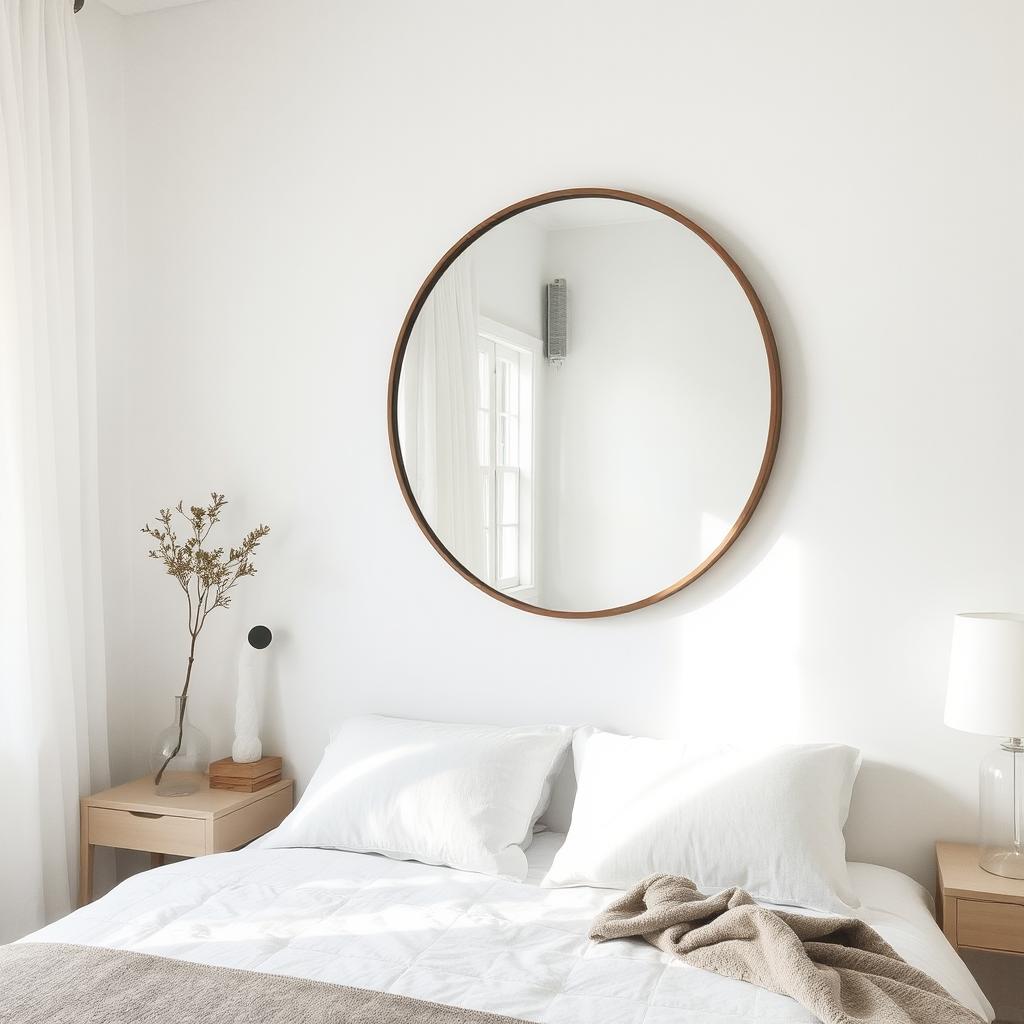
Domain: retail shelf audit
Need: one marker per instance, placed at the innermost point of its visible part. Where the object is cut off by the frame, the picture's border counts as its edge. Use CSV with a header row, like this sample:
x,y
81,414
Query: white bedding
x,y
460,938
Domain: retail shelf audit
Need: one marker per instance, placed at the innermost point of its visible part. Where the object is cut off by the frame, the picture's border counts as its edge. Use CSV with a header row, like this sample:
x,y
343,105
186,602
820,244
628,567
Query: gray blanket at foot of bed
x,y
52,983
839,968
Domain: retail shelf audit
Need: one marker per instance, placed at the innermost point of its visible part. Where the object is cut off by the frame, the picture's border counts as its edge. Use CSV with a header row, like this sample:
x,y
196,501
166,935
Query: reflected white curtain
x,y
438,416
53,726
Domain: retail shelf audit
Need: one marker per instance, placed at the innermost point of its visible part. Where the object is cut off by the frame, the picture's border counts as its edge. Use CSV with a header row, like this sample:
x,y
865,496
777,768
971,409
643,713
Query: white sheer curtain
x,y
438,414
53,721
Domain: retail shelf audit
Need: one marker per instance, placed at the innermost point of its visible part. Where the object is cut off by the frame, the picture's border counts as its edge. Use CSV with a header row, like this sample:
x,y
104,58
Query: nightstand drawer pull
x,y
144,814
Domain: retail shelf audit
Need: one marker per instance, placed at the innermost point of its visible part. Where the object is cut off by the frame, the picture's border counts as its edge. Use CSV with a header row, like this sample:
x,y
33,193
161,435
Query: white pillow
x,y
767,820
462,795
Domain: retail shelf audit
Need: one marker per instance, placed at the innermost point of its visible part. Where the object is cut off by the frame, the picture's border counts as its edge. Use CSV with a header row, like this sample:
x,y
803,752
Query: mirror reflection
x,y
584,404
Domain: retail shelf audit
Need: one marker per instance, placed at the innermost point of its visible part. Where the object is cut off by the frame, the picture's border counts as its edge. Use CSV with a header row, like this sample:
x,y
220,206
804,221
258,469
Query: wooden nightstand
x,y
133,817
978,910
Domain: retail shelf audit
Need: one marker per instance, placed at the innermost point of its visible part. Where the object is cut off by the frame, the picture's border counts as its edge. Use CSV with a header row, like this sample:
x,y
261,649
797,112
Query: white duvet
x,y
459,938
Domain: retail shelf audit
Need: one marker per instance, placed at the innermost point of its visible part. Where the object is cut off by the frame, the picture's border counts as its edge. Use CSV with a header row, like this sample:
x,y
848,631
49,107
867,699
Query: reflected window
x,y
504,444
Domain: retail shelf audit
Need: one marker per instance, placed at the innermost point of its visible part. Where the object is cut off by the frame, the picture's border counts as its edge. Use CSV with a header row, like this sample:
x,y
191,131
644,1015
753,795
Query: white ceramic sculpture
x,y
252,663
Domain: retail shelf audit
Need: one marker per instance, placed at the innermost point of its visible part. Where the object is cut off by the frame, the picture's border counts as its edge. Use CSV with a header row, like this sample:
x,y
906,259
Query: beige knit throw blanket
x,y
838,968
51,983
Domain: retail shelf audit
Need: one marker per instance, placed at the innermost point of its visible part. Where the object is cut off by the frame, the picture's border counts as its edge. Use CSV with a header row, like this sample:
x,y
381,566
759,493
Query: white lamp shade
x,y
986,674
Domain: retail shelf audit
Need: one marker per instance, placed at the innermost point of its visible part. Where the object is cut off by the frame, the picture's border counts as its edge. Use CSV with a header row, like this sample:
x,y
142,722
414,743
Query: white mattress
x,y
459,938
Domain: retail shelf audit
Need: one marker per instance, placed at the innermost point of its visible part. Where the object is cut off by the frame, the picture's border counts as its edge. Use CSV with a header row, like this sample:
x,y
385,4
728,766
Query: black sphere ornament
x,y
260,637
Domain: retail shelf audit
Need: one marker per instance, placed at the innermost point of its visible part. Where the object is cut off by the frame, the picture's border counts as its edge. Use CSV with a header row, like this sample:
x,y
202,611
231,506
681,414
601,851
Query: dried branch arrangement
x,y
206,575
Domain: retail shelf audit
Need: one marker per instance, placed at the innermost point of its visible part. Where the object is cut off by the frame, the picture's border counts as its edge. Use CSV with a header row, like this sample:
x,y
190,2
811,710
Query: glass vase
x,y
1002,810
189,757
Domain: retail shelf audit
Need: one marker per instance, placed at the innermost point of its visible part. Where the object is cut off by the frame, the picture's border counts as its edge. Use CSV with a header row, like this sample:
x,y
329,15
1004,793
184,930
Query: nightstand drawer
x,y
986,925
157,833
241,826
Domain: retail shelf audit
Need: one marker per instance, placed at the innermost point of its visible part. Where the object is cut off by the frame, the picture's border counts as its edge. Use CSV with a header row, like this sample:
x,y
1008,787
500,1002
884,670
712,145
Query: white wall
x,y
293,171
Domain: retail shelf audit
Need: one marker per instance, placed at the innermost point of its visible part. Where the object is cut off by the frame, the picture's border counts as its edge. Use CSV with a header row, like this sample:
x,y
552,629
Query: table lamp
x,y
986,695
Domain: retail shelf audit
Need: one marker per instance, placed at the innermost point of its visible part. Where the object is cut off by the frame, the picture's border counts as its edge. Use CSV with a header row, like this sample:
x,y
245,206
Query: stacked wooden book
x,y
244,778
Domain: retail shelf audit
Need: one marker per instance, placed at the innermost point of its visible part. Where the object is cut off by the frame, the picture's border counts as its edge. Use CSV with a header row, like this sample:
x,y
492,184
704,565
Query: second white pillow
x,y
767,820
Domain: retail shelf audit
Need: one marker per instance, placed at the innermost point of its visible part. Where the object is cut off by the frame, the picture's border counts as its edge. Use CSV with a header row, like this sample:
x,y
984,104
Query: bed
x,y
460,938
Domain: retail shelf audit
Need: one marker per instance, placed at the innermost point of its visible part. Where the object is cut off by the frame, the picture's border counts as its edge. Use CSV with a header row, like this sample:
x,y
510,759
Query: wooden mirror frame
x,y
774,373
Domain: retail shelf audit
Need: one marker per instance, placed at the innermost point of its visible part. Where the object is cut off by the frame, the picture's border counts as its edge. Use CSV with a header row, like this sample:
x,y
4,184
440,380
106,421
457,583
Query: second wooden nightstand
x,y
978,910
133,817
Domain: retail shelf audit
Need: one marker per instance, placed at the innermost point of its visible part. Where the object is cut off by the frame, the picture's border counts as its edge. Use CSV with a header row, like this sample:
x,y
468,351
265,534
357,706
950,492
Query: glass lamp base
x,y
1008,863
1001,807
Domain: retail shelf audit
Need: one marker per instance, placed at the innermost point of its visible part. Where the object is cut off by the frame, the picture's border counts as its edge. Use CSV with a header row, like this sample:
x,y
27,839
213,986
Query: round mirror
x,y
584,403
